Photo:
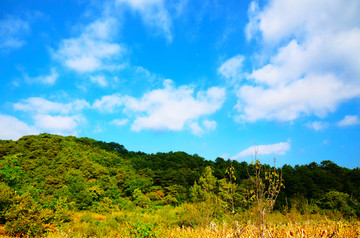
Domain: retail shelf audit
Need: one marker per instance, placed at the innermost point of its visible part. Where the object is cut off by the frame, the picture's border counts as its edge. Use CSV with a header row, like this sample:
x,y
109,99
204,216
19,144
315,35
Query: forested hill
x,y
87,172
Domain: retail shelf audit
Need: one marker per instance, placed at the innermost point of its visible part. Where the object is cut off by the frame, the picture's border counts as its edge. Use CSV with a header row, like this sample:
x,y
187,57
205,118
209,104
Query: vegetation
x,y
59,186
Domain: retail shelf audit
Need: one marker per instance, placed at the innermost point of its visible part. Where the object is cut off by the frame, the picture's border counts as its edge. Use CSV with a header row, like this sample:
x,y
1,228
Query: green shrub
x,y
6,197
144,230
338,201
26,217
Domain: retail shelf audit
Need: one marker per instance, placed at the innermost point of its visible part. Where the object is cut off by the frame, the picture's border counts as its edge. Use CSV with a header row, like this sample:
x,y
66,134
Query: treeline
x,y
65,173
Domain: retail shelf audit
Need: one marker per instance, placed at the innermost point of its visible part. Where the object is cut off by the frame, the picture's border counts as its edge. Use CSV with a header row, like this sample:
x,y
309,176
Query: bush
x,y
144,230
106,206
26,217
6,196
140,199
338,201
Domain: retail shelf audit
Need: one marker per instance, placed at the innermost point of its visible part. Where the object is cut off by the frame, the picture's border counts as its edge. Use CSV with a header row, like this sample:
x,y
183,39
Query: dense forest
x,y
46,179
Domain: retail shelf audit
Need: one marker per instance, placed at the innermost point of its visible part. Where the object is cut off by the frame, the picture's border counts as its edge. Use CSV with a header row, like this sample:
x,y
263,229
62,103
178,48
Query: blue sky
x,y
208,77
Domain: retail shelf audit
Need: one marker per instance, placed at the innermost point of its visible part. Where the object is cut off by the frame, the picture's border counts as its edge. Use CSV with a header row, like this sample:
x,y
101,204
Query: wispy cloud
x,y
349,120
232,69
313,62
206,127
100,80
93,50
278,149
153,14
318,125
44,79
119,122
108,103
12,32
41,106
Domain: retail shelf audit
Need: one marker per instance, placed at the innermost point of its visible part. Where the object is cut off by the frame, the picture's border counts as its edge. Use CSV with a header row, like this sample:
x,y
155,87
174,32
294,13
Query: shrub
x,y
26,217
6,196
338,201
144,230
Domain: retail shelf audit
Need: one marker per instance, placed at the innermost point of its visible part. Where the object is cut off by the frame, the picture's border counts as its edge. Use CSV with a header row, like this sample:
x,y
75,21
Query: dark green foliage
x,y
11,172
338,201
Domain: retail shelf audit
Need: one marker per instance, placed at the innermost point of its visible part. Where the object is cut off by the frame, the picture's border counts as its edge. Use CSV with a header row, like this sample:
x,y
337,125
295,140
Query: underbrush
x,y
170,222
200,219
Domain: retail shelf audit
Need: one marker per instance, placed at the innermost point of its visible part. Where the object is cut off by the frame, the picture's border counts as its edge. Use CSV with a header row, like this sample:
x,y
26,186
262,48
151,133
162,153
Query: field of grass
x,y
166,222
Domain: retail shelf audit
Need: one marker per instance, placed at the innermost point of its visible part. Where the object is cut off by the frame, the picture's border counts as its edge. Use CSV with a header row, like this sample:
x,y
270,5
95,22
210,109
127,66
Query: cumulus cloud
x,y
41,106
153,13
93,49
349,120
57,124
278,149
12,128
169,108
318,125
313,66
12,30
53,117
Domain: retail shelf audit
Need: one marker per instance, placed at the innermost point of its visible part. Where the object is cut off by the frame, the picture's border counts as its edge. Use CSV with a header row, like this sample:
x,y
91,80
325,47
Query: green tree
x,y
6,199
27,217
338,201
11,172
140,199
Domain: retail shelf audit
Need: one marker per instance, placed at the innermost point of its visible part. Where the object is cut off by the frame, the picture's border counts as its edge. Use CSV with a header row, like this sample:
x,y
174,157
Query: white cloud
x,y
108,103
45,79
231,69
314,64
153,13
12,129
252,27
93,49
12,30
318,125
278,149
171,108
53,117
41,106
282,19
57,124
100,80
209,125
119,122
316,94
349,120
196,129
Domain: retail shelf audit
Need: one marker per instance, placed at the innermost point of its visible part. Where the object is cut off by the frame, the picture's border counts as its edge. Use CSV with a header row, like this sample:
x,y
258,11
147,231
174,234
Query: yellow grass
x,y
85,224
277,226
